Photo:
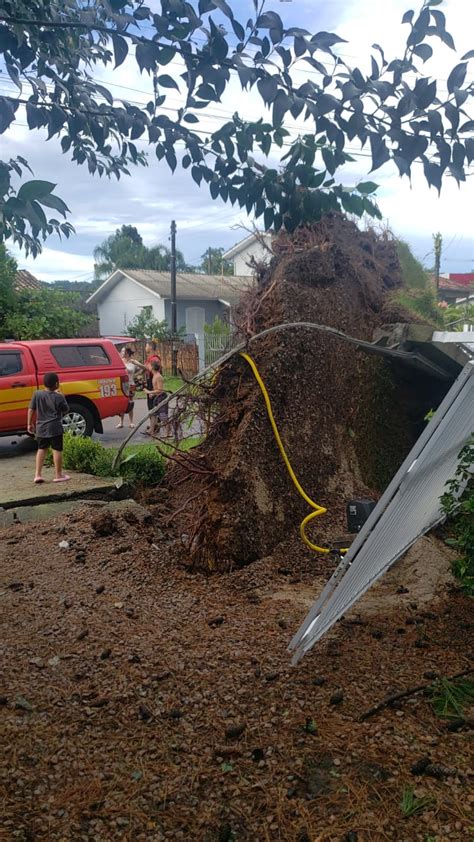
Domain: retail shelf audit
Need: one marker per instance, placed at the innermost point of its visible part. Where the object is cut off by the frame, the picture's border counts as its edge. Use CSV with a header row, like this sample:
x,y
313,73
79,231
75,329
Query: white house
x,y
200,298
255,247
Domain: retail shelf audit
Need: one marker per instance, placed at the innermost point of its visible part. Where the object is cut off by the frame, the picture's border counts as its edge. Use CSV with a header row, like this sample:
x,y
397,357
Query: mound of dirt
x,y
346,418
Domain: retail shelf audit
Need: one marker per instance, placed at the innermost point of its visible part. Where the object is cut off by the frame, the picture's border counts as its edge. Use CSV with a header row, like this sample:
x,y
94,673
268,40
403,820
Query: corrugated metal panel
x,y
409,507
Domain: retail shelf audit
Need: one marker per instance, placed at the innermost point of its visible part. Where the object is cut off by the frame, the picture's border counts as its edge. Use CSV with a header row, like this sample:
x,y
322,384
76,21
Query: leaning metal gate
x,y
409,508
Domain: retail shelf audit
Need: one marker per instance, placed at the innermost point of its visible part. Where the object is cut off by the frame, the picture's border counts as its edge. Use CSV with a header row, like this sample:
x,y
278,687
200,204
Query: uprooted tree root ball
x,y
347,419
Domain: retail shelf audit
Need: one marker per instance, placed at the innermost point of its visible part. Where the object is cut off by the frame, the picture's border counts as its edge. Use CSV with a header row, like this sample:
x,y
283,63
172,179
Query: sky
x,y
152,196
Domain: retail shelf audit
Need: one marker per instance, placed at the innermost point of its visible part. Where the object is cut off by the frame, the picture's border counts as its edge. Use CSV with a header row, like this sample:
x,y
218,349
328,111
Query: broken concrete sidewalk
x,y
17,487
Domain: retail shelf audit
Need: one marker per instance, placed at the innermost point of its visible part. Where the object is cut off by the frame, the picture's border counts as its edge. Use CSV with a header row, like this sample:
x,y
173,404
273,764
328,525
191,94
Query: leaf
x,y
424,51
281,105
191,118
146,56
7,113
366,187
35,189
268,217
54,202
379,151
468,55
452,114
325,40
457,76
238,29
224,8
268,88
408,16
13,73
120,49
197,175
424,93
207,93
167,81
433,174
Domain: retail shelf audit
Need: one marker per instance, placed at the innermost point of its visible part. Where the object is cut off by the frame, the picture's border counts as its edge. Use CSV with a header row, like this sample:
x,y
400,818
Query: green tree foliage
x,y
55,53
8,269
125,250
419,293
145,326
455,316
44,314
212,263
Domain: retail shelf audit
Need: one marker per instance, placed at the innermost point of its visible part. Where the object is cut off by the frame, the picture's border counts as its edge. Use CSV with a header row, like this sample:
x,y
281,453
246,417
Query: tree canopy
x,y
37,313
54,54
212,262
125,250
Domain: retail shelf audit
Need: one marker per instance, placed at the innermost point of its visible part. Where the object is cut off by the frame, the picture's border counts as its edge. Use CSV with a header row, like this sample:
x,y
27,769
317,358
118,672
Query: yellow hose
x,y
318,510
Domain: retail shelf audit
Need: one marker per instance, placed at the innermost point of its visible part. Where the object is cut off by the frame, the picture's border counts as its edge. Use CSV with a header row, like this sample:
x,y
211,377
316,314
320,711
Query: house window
x,y
147,311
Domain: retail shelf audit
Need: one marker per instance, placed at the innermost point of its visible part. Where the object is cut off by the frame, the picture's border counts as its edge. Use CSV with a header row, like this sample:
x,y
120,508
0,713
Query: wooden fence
x,y
188,356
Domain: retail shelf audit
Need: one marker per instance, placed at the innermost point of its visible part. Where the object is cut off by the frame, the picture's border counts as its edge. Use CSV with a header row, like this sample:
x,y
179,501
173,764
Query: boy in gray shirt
x,y
49,406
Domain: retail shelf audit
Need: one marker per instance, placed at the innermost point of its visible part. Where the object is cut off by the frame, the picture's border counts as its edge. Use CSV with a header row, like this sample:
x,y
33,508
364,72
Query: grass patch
x,y
172,384
449,698
410,804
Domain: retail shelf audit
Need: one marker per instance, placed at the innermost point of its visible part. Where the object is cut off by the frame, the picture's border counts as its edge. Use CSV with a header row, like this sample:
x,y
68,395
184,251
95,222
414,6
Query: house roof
x,y
458,282
188,286
244,244
25,280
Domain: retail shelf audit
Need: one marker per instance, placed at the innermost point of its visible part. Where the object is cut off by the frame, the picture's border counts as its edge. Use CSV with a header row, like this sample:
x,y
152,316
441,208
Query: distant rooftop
x,y
25,280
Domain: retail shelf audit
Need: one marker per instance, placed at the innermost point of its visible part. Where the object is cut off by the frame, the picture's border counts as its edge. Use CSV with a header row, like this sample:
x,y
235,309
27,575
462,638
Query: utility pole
x,y
438,247
209,261
174,320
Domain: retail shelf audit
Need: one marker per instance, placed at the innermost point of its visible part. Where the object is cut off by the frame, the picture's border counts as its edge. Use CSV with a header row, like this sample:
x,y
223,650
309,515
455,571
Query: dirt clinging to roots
x,y
339,411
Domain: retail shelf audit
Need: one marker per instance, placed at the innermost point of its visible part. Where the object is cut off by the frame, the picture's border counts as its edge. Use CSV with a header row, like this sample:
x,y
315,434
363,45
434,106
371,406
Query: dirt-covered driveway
x,y
142,702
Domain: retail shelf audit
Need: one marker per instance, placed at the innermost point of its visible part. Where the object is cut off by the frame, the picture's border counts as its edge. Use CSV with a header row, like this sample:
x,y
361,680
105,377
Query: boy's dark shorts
x,y
163,411
56,442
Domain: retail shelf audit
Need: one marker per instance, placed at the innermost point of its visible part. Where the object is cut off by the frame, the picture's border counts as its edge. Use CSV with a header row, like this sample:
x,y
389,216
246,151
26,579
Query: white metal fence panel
x,y
409,507
217,343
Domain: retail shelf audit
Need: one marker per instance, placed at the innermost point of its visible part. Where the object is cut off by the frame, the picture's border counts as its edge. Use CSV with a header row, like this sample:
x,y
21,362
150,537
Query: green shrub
x,y
79,454
458,505
142,466
139,466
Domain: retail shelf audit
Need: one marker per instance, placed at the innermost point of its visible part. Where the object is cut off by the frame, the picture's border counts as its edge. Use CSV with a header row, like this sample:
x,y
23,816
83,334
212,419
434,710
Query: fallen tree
x,y
347,419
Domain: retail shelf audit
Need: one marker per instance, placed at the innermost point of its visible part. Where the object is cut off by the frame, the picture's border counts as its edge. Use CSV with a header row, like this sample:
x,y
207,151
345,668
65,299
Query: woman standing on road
x,y
132,367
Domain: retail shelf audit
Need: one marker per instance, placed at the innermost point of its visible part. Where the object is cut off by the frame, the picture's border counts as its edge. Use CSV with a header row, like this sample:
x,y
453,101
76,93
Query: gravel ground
x,y
142,702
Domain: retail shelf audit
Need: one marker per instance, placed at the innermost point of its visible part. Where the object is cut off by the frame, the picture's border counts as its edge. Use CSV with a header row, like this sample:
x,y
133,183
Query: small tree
x,y
145,326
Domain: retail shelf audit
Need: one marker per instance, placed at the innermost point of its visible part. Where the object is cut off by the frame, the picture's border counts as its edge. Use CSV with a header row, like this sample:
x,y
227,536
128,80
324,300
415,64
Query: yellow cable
x,y
318,510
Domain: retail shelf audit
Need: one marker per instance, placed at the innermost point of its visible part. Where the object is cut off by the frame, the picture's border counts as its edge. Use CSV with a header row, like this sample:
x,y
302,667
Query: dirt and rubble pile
x,y
341,413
